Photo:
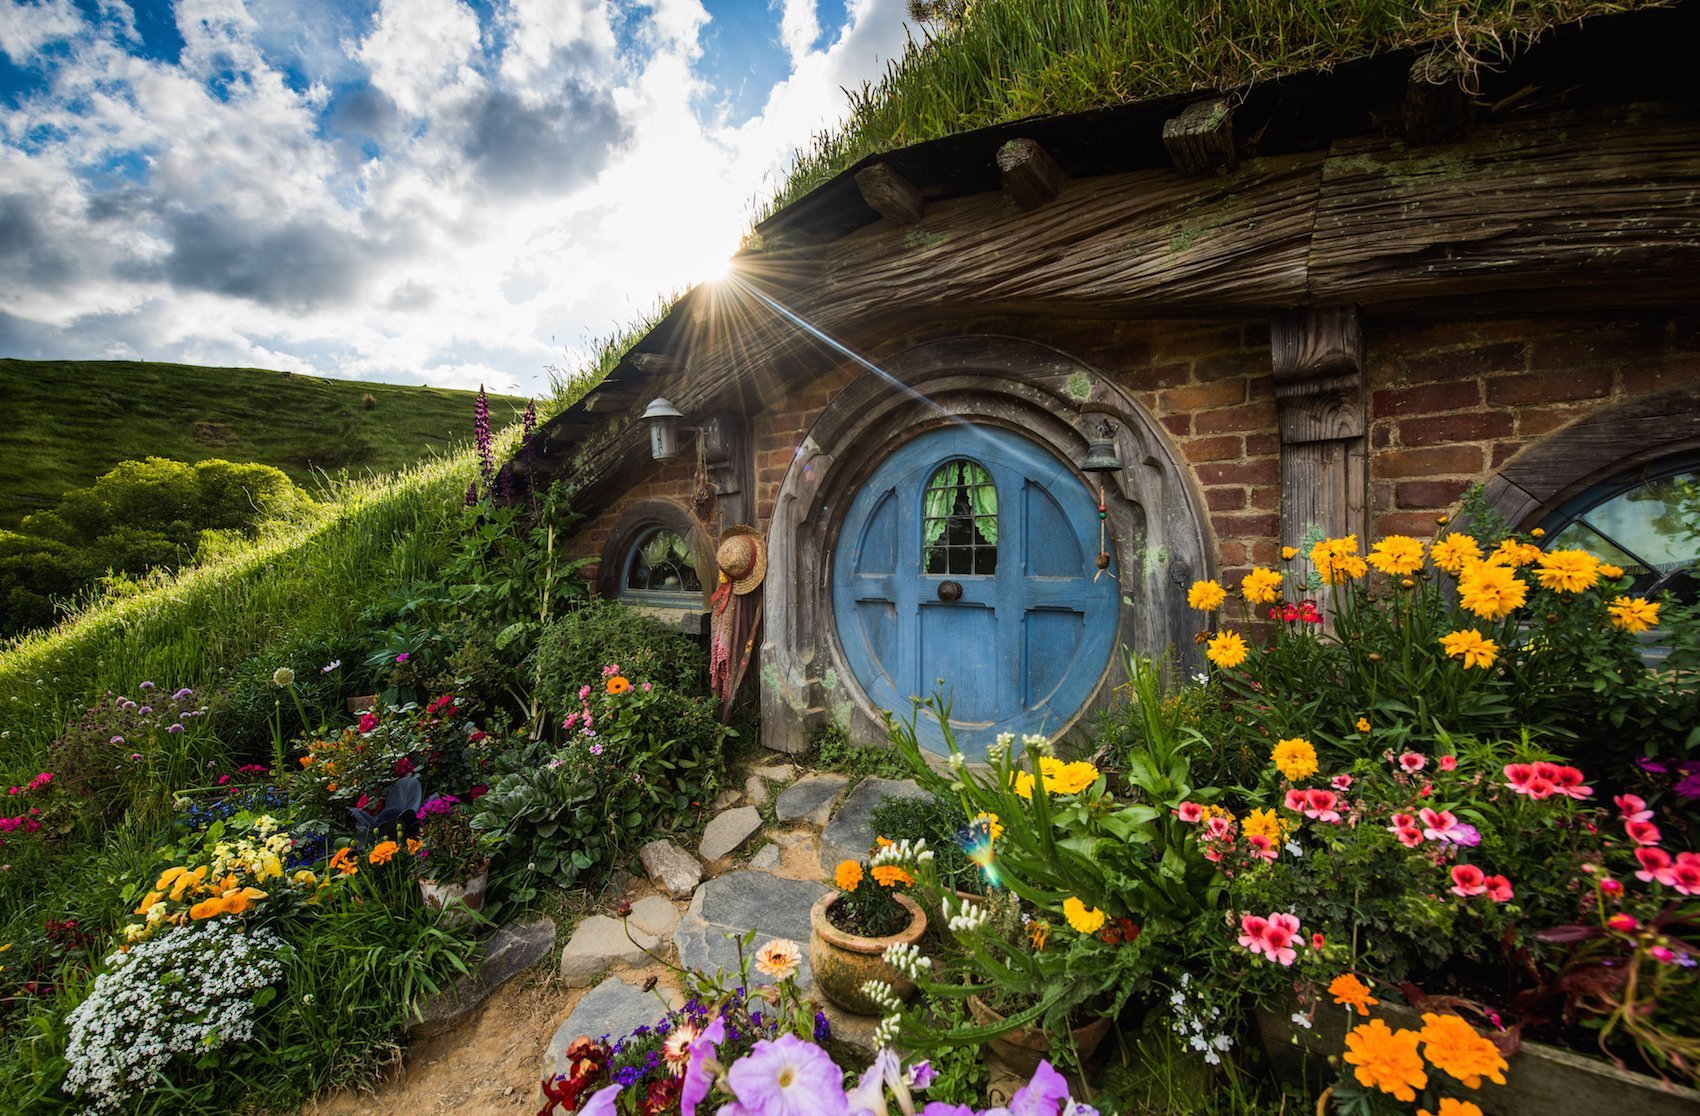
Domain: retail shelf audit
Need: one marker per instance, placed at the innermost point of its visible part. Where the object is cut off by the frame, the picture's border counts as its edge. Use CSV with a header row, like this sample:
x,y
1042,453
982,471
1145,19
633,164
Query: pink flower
x,y
1517,776
1611,887
1568,781
1656,866
1498,889
1662,954
1341,782
1278,937
1317,941
1438,825
1623,922
1218,827
1190,812
610,670
1295,800
1448,763
1252,930
1642,833
644,687
1467,880
584,692
1633,807
368,722
1319,804
1411,763
1685,876
362,802
403,657
1261,846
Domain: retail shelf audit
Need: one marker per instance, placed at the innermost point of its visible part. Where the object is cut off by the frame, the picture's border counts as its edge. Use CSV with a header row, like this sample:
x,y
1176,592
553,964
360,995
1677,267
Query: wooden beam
x,y
1316,357
1030,175
653,363
890,194
1437,106
1201,139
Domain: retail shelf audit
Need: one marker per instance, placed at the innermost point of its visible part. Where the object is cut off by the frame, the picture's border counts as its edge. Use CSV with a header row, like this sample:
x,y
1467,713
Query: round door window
x,y
965,567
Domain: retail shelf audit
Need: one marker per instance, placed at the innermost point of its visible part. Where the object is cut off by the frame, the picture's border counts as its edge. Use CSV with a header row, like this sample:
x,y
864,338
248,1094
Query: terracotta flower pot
x,y
1023,1048
457,901
843,961
361,703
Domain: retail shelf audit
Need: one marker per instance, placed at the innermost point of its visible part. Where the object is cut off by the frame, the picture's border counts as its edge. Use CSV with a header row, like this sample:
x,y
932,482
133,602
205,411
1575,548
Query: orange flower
x,y
890,875
382,851
1038,931
1386,1059
619,684
1450,1107
306,761
1457,1048
207,908
342,862
1352,992
414,844
848,877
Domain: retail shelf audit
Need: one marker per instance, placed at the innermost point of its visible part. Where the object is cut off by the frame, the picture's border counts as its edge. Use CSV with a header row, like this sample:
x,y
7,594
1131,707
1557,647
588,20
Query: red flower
x,y
1467,880
403,766
477,792
1623,922
1634,808
1656,865
1190,812
1642,833
1449,763
1498,889
368,722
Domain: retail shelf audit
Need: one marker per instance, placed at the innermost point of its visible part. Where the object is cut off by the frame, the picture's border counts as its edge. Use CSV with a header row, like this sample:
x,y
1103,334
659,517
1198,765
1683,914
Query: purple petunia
x,y
788,1077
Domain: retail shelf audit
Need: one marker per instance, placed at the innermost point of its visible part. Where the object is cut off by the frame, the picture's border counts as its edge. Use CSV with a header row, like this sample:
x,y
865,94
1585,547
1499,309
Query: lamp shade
x,y
663,420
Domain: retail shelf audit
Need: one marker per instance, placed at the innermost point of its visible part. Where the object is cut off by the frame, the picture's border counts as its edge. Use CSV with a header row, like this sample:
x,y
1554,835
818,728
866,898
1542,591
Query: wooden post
x,y
890,194
1317,361
1030,176
1201,139
1437,107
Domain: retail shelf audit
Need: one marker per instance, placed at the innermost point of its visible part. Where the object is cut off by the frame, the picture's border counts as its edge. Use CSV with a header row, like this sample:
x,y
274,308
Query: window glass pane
x,y
959,520
1652,521
661,563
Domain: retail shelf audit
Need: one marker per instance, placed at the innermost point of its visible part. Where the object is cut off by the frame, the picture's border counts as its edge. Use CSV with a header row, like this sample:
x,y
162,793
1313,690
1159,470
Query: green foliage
x,y
249,701
573,649
830,749
940,822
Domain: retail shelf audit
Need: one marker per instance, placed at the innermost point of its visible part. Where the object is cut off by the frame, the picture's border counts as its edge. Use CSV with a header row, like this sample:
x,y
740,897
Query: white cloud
x,y
799,27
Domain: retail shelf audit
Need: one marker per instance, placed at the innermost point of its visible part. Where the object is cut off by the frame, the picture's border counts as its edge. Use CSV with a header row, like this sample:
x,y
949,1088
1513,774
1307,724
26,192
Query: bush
x,y
576,647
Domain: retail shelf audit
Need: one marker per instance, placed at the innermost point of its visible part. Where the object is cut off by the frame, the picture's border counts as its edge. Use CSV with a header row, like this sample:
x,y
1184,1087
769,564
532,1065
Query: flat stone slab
x,y
850,834
670,868
727,831
776,772
727,797
655,915
737,903
755,790
613,1008
599,942
809,796
766,858
510,951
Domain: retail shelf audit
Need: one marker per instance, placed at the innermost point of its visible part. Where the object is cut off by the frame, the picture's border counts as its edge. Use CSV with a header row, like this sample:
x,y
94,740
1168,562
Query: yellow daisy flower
x,y
1397,555
1228,650
1470,646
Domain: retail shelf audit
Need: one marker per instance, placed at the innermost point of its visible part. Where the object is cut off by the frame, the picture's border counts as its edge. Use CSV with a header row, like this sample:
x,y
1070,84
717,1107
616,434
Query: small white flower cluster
x,y
957,762
188,991
1036,744
885,1034
881,994
902,852
1000,747
907,959
972,917
1194,1022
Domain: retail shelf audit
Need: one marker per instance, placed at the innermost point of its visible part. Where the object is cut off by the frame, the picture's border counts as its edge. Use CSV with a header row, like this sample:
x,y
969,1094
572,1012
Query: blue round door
x,y
967,565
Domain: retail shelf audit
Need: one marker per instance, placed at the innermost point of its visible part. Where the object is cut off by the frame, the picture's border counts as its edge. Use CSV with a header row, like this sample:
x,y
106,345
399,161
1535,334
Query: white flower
x,y
907,959
957,761
971,918
1295,848
283,676
330,666
1301,1019
886,1033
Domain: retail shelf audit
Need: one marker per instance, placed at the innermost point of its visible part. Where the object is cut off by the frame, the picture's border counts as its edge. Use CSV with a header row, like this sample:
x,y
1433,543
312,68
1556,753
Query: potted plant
x,y
452,865
852,928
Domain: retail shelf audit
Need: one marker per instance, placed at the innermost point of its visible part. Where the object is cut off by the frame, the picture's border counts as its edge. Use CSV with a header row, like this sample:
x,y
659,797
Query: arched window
x,y
959,520
660,564
1646,520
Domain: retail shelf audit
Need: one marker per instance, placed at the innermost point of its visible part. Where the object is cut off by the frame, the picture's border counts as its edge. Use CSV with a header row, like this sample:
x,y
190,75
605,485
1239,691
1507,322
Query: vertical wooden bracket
x,y
1030,176
1437,106
1201,139
727,452
1316,358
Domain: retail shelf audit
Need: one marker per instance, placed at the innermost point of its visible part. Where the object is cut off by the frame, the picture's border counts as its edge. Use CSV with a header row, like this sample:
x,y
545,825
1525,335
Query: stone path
x,y
764,894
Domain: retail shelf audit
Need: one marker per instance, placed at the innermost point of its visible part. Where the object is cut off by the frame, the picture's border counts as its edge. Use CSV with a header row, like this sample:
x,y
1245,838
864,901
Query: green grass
x,y
69,421
1008,61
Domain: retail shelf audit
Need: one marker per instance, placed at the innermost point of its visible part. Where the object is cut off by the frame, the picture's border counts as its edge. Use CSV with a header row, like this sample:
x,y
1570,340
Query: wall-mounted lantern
x,y
1101,454
663,419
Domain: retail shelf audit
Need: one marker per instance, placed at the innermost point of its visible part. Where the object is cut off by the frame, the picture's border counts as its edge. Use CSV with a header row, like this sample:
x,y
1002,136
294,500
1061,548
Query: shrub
x,y
579,644
940,822
122,749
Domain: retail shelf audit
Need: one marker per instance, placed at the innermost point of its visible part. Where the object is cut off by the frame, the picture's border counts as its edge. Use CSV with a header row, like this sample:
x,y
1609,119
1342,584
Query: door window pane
x,y
959,524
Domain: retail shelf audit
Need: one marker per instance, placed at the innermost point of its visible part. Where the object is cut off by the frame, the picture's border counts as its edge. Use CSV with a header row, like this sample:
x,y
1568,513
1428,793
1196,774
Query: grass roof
x,y
984,62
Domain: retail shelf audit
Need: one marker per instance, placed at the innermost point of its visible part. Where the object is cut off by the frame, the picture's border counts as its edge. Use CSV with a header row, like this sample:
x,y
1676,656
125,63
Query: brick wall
x,y
1451,404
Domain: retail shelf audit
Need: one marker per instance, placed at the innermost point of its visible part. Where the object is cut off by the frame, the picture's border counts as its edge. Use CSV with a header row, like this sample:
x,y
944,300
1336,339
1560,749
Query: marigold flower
x,y
1038,932
1455,1047
994,828
414,844
1491,591
1206,596
1228,650
1451,1107
779,958
1397,555
1352,992
1288,553
619,684
1336,560
1084,919
382,852
1363,724
342,862
890,875
1386,1059
1295,758
1471,646
1568,571
848,875
1610,572
1633,614
1261,585
1453,552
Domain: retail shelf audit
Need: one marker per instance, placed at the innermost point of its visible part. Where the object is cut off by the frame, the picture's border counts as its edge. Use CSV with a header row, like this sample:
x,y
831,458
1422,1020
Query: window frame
x,y
620,550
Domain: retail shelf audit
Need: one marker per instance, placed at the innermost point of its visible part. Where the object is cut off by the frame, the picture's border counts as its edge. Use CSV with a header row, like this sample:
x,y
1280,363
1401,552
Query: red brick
x,y
1178,425
1223,447
1266,552
1158,376
1231,553
1438,430
1262,445
1263,471
1608,346
1381,435
1461,364
1426,399
1405,523
1260,387
1219,340
1265,497
1428,462
1245,362
1246,526
1198,397
1550,387
1429,494
1532,422
1224,499
1503,452
1672,372
1251,416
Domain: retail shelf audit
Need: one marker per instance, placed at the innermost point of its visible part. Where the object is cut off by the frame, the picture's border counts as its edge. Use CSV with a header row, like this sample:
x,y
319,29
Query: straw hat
x,y
742,558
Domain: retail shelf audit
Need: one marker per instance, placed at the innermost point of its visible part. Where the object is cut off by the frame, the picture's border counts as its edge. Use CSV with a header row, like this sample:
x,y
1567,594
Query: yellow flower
x,y
1568,571
1261,586
1490,591
1206,596
1353,993
1610,572
148,903
1084,919
1454,552
1398,555
890,875
1511,552
1471,647
1288,553
1450,1107
1021,783
1386,1059
1218,812
382,851
1228,650
1363,724
1336,560
848,876
990,821
1264,823
1633,614
1295,758
1455,1047
304,877
1067,778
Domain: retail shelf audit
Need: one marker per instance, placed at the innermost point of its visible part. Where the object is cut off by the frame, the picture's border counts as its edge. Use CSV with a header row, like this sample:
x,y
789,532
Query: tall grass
x,y
1008,60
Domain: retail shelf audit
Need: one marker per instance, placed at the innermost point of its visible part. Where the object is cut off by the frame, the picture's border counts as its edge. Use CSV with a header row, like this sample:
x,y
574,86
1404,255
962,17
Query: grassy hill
x,y
69,421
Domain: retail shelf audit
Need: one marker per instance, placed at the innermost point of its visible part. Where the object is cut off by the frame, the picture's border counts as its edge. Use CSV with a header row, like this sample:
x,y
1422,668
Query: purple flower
x,y
481,432
823,1029
147,685
403,657
1465,834
789,1077
144,710
116,740
699,1080
939,1108
596,749
601,1102
181,694
472,495
1688,787
921,1075
174,729
1042,1095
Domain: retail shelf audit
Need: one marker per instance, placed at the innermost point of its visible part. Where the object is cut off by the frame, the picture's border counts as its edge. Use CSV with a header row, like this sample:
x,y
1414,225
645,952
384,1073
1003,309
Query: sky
x,y
443,192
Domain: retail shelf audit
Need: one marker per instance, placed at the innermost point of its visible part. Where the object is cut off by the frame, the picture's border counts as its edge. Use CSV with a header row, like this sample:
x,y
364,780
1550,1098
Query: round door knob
x,y
950,591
